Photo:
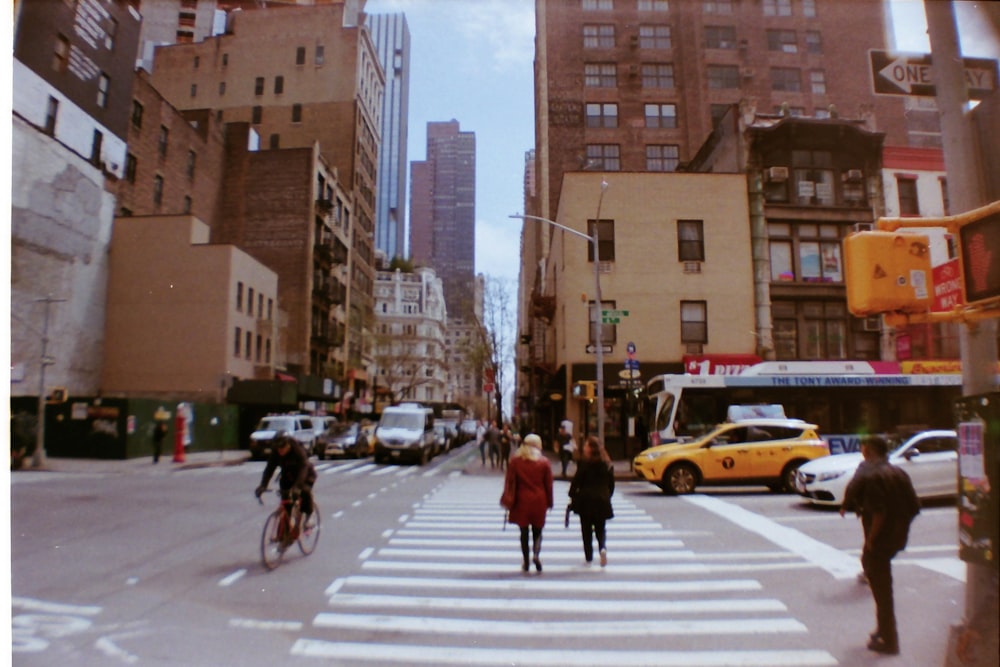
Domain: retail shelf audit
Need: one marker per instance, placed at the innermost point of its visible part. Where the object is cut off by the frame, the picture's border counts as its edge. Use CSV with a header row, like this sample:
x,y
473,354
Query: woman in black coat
x,y
590,496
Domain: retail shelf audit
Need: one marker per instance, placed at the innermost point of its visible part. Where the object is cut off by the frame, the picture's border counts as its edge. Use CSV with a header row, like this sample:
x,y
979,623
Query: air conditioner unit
x,y
863,227
633,41
633,70
853,176
777,174
692,267
747,72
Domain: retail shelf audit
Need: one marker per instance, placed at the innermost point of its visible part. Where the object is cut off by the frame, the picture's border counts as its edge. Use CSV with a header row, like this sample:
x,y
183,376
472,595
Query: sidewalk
x,y
192,460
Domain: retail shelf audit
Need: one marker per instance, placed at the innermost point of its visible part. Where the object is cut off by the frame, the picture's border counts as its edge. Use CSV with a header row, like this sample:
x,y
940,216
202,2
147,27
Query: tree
x,y
496,346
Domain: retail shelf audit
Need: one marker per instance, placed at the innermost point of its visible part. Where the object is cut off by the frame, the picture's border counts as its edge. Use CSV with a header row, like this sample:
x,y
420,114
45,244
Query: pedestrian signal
x,y
979,242
887,272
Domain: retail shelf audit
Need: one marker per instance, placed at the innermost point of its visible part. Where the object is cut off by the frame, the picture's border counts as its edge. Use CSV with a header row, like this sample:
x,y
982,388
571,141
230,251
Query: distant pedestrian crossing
x,y
446,588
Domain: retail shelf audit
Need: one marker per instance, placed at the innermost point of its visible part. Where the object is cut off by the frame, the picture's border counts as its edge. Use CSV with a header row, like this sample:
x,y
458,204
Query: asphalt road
x,y
162,567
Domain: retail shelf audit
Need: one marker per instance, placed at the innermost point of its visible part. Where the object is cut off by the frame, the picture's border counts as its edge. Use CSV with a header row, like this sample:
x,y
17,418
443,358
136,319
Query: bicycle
x,y
282,529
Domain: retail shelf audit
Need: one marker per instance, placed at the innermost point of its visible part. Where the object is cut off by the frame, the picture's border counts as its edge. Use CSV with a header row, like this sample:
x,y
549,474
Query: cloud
x,y
498,248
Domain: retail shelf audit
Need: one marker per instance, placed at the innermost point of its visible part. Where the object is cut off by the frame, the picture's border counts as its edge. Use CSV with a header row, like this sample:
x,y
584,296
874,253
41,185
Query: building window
x,y
609,332
191,161
814,41
187,204
267,351
662,157
260,304
248,337
694,322
136,114
600,75
788,79
270,308
824,330
599,36
250,293
222,88
654,37
805,253
296,113
103,85
96,145
604,156
944,195
782,40
256,114
239,297
717,6
274,142
908,202
130,166
653,6
51,112
237,341
225,59
817,81
320,54
602,115
197,61
777,7
157,190
720,37
661,115
194,89
60,56
597,5
812,178
300,55
690,241
260,344
162,142
657,76
809,8
258,86
722,77
605,240
279,85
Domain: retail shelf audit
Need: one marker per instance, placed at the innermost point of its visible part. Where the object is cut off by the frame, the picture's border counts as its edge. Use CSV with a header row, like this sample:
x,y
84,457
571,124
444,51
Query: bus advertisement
x,y
846,399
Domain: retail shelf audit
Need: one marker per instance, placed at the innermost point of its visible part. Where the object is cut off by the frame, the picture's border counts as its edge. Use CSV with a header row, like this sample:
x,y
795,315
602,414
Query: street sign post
x,y
613,316
911,74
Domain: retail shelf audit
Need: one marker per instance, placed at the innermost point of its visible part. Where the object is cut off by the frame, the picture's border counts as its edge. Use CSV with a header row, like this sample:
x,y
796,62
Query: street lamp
x,y
598,338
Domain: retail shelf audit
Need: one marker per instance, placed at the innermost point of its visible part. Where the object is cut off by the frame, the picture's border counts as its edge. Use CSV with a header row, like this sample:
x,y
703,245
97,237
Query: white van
x,y
405,431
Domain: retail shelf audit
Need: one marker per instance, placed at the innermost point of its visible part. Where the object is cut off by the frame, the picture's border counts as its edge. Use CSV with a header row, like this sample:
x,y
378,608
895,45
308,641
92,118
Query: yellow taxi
x,y
750,451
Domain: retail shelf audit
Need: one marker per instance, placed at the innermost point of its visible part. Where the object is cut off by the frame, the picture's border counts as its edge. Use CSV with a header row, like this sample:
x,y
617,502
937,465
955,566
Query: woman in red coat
x,y
531,476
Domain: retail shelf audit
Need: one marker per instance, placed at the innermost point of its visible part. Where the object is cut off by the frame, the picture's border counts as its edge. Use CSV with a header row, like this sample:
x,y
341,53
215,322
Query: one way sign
x,y
911,74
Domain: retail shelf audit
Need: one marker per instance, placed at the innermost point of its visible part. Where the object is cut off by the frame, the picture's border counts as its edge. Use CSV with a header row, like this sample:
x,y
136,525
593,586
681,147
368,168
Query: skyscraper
x,y
443,213
391,37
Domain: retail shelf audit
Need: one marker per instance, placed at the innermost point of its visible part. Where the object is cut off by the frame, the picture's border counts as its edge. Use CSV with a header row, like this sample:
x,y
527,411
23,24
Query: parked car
x,y
299,427
342,439
930,458
751,451
444,436
467,429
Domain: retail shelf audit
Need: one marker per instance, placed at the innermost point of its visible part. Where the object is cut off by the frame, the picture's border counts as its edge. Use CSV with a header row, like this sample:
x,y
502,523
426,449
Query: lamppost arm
x,y
554,224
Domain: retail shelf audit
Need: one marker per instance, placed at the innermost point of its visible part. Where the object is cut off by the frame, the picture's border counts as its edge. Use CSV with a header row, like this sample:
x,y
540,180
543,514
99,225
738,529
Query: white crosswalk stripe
x,y
446,589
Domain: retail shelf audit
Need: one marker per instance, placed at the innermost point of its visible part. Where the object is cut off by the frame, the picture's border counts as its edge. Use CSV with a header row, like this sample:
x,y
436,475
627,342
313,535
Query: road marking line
x,y
834,561
380,623
366,553
557,605
385,470
536,584
232,578
560,555
567,543
31,604
253,624
350,653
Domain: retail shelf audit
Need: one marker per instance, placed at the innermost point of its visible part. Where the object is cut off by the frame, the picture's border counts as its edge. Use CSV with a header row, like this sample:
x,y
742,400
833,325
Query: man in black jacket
x,y
883,496
297,473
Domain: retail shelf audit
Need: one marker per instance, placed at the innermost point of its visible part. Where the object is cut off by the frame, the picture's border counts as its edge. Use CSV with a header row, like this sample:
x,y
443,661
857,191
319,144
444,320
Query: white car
x,y
299,427
930,459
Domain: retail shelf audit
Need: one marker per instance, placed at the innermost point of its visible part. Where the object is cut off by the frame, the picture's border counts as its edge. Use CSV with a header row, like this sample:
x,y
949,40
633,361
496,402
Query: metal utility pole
x,y
38,459
965,192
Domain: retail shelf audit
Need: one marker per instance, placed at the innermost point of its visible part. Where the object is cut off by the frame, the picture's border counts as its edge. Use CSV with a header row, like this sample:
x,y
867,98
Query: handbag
x,y
509,492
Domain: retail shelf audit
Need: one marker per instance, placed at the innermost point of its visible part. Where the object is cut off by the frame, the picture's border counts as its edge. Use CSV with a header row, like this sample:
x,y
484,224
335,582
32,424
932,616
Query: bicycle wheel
x,y
272,543
309,536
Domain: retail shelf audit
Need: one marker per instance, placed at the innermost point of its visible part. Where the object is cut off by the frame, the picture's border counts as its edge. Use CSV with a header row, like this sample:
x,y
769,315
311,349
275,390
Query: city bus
x,y
846,399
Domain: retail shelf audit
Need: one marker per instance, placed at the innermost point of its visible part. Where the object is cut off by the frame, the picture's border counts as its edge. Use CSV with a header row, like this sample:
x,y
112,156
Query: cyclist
x,y
297,473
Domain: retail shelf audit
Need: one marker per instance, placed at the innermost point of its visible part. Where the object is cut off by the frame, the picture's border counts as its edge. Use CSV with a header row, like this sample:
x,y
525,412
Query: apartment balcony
x,y
543,307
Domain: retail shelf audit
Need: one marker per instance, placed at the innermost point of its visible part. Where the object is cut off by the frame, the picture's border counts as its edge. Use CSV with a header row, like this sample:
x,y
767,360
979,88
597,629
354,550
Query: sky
x,y
471,61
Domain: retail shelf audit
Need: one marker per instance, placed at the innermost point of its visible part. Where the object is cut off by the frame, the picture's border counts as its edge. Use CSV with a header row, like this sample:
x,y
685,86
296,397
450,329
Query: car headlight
x,y
652,456
827,476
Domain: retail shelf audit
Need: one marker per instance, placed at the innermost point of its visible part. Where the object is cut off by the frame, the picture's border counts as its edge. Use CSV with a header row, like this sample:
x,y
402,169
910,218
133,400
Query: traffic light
x,y
585,389
887,272
979,248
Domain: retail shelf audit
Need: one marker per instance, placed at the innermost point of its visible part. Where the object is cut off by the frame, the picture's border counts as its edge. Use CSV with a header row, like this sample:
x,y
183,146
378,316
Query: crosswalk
x,y
446,588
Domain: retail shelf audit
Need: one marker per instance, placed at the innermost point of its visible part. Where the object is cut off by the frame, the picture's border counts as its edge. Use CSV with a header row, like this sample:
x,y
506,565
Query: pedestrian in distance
x,y
493,443
528,496
565,444
159,435
481,440
590,497
883,496
506,440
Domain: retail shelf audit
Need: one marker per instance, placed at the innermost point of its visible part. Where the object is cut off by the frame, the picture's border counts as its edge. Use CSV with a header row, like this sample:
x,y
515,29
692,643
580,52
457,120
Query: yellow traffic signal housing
x,y
887,272
585,389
